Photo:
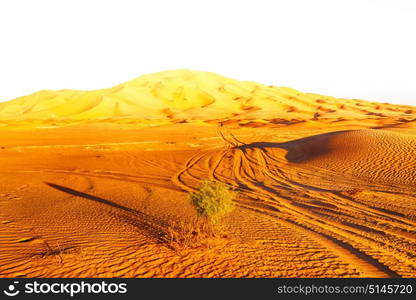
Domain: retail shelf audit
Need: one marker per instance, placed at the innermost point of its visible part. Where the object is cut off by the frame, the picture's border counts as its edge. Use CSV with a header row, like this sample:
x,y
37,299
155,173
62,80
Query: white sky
x,y
354,48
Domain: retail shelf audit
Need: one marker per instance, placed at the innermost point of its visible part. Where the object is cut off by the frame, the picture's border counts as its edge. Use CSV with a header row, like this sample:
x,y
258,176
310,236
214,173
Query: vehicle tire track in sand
x,y
242,170
353,234
369,266
177,177
344,203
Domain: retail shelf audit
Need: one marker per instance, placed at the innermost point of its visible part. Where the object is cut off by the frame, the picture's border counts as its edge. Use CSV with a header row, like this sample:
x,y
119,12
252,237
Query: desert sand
x,y
92,181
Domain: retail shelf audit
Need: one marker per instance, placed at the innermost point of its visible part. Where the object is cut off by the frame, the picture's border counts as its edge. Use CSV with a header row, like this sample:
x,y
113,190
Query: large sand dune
x,y
92,181
180,95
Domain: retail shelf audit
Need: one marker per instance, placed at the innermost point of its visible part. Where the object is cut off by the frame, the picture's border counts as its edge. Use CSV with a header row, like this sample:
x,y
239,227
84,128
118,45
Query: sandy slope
x,y
175,96
90,181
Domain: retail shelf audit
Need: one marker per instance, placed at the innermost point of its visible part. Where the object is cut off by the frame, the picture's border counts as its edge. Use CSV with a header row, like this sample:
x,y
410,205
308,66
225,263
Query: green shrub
x,y
213,200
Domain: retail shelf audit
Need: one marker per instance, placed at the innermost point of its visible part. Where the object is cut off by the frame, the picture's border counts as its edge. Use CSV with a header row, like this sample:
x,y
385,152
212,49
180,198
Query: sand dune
x,y
93,182
180,95
373,155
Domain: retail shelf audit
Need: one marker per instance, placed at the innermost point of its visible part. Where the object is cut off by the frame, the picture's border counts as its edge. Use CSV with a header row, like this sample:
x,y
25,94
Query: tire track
x,y
308,217
339,238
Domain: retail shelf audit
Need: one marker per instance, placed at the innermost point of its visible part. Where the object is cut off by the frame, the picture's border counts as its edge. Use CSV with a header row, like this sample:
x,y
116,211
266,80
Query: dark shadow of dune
x,y
300,150
150,226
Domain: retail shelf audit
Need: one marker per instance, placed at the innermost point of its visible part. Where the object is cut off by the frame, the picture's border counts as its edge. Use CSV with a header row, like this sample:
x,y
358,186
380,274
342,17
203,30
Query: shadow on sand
x,y
300,150
150,226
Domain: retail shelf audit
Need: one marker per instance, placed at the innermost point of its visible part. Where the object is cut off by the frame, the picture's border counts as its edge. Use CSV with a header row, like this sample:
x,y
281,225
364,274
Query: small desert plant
x,y
213,200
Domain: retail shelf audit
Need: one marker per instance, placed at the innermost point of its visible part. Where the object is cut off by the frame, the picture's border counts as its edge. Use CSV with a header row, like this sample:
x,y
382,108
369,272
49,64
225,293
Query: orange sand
x,y
326,186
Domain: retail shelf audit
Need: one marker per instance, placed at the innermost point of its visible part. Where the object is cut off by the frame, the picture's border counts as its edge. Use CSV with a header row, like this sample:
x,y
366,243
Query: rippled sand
x,y
326,186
